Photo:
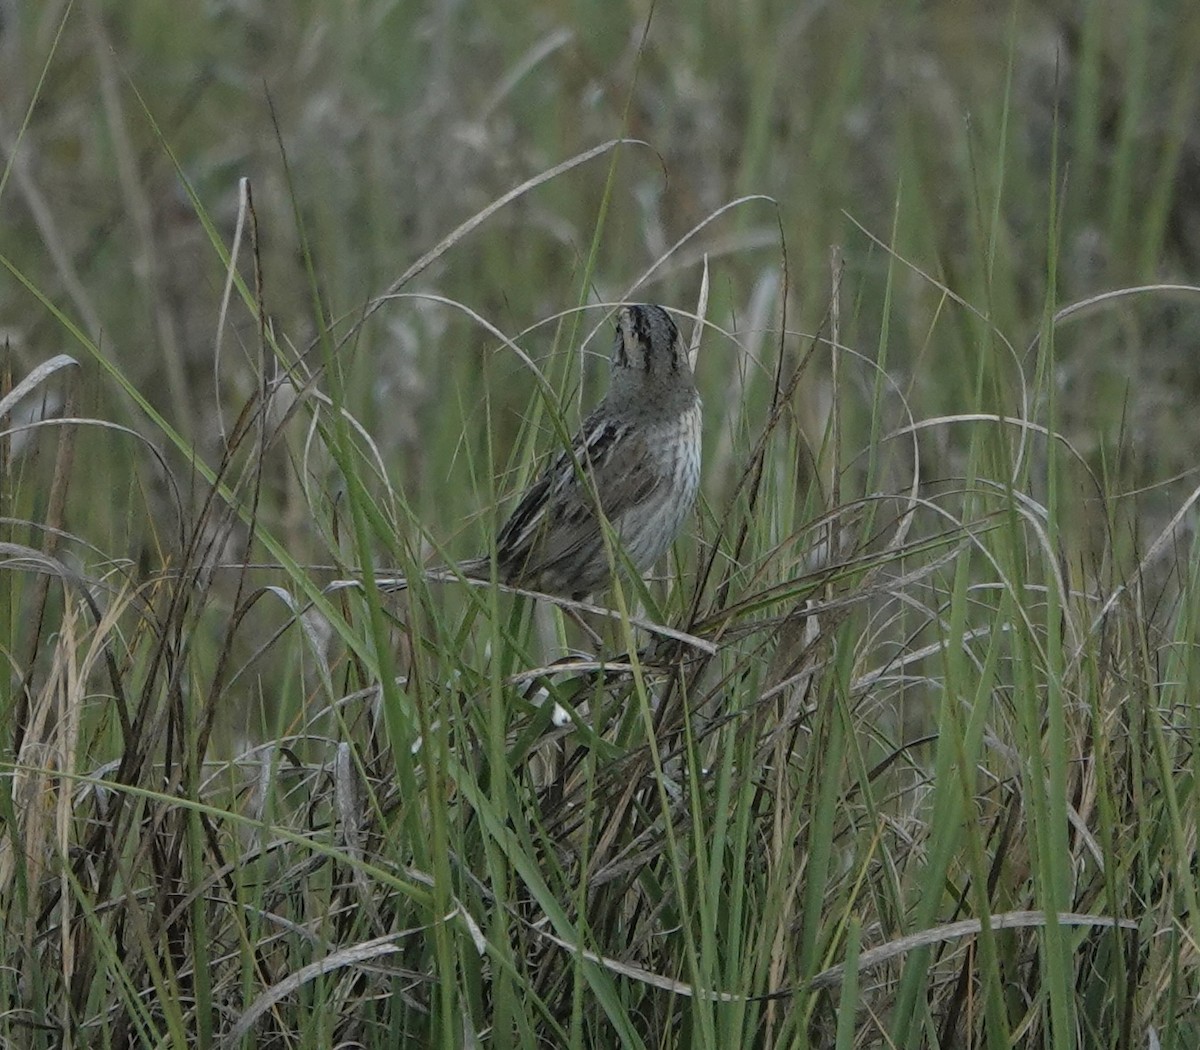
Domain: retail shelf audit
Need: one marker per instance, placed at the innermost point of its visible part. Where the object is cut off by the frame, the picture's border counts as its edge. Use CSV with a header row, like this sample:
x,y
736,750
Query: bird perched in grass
x,y
636,457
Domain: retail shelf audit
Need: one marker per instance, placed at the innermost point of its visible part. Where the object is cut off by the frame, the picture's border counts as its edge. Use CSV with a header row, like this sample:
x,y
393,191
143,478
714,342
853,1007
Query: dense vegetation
x,y
900,749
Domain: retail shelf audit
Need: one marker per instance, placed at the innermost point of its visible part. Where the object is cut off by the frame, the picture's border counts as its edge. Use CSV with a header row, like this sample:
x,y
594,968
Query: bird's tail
x,y
471,569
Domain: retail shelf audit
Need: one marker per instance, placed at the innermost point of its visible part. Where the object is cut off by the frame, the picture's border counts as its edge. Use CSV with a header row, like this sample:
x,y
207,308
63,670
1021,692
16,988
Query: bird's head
x,y
648,342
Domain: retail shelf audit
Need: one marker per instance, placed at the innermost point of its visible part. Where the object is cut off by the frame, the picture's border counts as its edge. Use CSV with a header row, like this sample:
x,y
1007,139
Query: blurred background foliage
x,y
370,130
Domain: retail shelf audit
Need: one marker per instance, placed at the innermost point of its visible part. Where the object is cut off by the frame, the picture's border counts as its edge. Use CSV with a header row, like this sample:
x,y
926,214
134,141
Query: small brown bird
x,y
637,454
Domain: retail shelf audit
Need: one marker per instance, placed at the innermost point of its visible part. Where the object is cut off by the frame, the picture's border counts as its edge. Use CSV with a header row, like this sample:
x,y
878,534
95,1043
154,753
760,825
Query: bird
x,y
636,458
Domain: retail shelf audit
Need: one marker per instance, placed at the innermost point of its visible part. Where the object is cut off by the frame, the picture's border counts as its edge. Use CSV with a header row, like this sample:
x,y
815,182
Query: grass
x,y
900,748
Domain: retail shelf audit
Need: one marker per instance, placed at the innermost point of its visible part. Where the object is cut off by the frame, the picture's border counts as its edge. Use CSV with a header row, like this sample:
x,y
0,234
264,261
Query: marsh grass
x,y
901,751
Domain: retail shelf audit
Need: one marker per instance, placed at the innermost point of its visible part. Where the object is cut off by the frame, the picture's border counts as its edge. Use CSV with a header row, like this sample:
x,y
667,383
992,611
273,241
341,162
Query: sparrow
x,y
635,460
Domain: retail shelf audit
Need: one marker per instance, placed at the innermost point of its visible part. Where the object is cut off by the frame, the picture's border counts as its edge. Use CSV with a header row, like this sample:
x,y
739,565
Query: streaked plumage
x,y
638,453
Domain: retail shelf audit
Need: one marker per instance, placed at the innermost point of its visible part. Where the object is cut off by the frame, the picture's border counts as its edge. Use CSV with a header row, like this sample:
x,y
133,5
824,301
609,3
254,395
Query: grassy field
x,y
901,746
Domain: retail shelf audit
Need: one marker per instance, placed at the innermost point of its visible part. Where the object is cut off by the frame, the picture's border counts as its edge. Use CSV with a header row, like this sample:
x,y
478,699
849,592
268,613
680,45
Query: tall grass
x,y
899,746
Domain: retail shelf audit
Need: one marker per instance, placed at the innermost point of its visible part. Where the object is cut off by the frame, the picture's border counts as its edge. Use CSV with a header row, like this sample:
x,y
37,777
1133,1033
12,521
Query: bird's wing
x,y
555,522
